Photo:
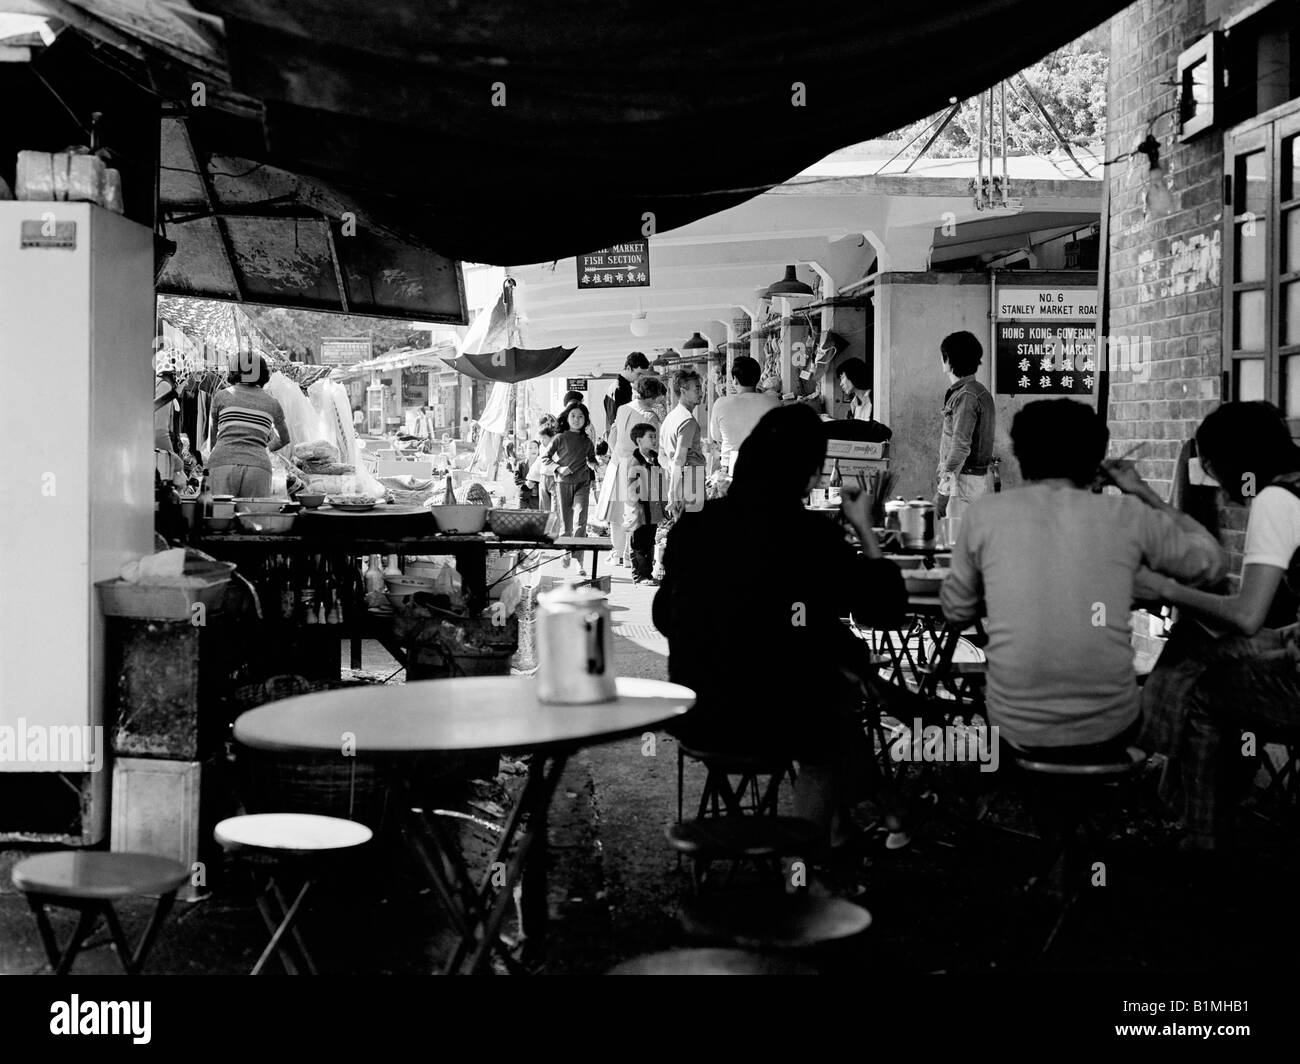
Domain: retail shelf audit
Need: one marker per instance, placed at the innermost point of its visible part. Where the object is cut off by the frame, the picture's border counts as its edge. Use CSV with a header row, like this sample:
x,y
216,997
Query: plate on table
x,y
353,505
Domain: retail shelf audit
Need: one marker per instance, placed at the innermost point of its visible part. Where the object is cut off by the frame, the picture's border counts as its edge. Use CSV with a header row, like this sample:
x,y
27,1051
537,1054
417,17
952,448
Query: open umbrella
x,y
502,346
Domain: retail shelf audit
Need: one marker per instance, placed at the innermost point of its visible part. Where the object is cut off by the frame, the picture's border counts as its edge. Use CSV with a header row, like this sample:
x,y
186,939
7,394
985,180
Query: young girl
x,y
574,456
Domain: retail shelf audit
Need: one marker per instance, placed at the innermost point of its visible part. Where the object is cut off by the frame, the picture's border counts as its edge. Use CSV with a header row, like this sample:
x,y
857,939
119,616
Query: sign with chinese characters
x,y
1034,359
344,351
576,384
620,266
1055,304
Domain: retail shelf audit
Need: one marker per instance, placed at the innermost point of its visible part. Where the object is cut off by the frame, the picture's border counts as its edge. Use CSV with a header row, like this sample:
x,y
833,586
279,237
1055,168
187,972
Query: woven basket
x,y
328,784
518,524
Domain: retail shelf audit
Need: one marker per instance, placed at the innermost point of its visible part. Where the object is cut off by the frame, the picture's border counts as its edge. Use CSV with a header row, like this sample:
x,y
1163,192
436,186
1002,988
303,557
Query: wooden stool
x,y
90,882
719,795
1066,799
777,922
280,840
710,962
742,838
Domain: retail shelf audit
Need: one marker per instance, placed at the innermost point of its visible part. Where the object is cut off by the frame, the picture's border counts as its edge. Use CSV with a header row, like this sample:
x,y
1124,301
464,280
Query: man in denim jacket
x,y
969,420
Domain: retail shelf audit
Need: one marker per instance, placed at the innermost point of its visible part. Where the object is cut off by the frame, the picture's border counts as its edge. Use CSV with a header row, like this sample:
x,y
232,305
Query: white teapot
x,y
575,647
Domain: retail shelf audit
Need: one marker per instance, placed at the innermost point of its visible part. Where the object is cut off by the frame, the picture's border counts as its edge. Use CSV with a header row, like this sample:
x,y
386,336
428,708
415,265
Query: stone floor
x,y
950,902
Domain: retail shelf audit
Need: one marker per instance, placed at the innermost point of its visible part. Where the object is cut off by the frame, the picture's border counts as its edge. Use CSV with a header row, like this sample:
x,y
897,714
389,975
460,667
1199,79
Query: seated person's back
x,y
1053,568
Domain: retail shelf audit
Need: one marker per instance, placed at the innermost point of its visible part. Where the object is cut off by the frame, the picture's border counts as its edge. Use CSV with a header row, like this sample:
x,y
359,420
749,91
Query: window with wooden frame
x,y
1261,262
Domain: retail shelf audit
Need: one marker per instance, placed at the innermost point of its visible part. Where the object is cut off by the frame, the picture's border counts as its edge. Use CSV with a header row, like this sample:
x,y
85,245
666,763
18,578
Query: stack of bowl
x,y
401,588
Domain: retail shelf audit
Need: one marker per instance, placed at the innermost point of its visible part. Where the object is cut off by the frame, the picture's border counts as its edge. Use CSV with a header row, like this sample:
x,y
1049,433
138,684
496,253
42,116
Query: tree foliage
x,y
1071,86
299,331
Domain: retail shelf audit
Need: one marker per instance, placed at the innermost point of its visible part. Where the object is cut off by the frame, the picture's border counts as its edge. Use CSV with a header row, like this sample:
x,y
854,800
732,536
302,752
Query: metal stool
x,y
776,922
710,962
90,882
759,839
281,840
1069,791
720,796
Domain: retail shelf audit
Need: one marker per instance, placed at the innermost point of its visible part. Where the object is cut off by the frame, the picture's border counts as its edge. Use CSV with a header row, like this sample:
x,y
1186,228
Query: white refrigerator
x,y
76,487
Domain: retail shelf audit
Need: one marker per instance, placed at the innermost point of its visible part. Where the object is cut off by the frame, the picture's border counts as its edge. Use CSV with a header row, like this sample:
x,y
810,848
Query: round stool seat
x,y
736,762
1092,769
290,833
772,921
745,836
710,962
77,874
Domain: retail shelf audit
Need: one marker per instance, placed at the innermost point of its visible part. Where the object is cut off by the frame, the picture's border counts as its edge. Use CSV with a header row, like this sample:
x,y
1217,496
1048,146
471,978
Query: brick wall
x,y
1165,295
1165,274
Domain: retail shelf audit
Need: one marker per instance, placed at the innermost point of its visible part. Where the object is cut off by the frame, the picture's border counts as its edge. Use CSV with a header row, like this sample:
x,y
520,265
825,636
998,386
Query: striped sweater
x,y
243,418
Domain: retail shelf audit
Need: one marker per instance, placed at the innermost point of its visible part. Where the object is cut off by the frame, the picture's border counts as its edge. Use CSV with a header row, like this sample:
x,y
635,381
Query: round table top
x,y
465,714
92,874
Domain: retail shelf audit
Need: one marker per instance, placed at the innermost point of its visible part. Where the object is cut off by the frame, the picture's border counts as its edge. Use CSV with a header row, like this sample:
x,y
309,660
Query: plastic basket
x,y
518,524
121,598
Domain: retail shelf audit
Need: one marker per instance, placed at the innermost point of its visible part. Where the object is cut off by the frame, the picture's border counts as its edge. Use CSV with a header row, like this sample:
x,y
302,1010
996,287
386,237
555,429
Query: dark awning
x,y
517,131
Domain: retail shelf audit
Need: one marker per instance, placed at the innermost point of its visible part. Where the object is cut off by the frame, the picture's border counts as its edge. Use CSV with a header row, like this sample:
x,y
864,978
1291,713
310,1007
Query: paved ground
x,y
952,901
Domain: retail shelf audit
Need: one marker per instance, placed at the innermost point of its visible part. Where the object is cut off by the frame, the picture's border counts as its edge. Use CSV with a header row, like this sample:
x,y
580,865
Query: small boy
x,y
524,479
646,491
541,472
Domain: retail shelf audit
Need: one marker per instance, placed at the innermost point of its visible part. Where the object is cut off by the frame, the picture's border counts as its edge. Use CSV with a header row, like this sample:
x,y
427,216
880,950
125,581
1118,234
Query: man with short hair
x,y
620,392
1055,570
969,421
680,440
734,416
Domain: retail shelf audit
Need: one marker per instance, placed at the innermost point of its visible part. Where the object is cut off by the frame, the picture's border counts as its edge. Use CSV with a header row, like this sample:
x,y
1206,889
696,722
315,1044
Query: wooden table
x,y
470,553
391,724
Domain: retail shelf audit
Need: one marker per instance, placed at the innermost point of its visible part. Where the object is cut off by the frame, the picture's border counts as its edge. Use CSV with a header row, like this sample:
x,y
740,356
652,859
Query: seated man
x,y
754,590
1055,569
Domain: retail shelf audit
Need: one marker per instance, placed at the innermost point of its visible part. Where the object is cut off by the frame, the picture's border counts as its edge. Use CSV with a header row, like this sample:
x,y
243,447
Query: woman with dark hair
x,y
1223,670
241,424
759,639
574,457
613,505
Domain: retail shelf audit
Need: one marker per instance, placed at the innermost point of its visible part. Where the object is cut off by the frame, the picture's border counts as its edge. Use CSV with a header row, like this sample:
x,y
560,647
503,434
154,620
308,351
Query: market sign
x,y
1038,360
344,351
620,266
1056,304
576,384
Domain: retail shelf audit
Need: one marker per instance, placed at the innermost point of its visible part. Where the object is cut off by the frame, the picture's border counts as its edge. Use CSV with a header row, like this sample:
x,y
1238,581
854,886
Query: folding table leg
x,y
61,958
527,864
279,930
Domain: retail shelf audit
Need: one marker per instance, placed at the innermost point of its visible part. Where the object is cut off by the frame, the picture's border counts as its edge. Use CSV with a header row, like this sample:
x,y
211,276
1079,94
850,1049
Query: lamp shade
x,y
639,326
696,343
789,286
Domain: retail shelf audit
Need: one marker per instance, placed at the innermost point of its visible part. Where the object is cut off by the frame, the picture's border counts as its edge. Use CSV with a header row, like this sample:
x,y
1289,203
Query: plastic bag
x,y
301,417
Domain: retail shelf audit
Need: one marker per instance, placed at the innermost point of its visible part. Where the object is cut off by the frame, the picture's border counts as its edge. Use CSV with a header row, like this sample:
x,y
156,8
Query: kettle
x,y
918,522
575,647
893,513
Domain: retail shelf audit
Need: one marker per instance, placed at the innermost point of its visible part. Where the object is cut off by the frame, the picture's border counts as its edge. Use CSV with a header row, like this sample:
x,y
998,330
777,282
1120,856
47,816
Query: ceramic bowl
x,y
311,500
218,524
460,520
266,524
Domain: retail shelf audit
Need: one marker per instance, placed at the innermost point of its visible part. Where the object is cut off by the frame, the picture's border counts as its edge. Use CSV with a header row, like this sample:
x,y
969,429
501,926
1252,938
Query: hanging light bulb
x,y
1157,198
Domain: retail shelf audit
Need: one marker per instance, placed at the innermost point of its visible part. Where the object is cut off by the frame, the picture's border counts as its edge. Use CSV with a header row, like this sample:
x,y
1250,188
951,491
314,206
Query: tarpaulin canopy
x,y
529,130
